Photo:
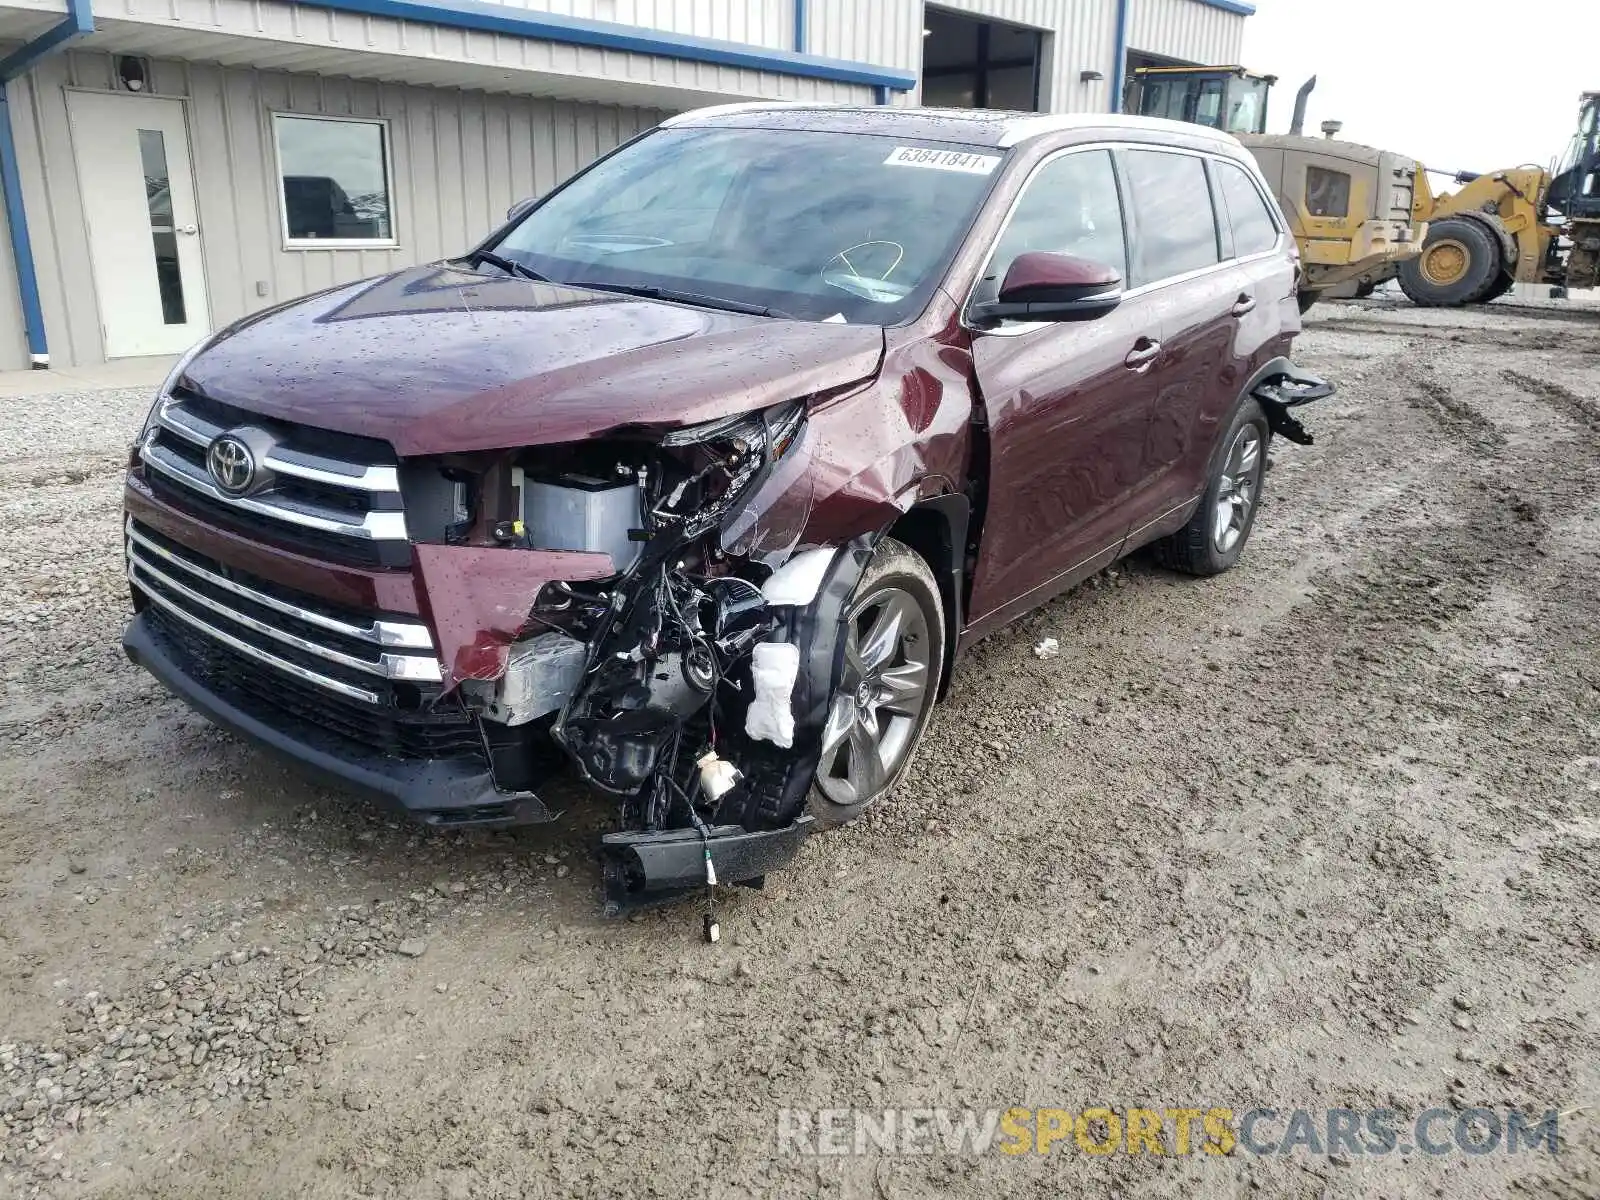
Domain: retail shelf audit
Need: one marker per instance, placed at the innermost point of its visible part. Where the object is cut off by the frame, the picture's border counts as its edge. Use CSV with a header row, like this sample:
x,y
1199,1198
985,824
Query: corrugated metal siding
x,y
280,35
460,159
1084,39
887,33
13,341
767,23
1183,29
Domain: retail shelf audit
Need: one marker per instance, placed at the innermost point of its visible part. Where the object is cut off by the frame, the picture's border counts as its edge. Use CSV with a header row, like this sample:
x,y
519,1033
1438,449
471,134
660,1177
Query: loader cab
x,y
1227,98
1575,186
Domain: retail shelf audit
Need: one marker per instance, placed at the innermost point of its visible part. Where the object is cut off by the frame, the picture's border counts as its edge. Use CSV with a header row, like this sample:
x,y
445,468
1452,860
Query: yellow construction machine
x,y
1350,207
1525,225
1362,215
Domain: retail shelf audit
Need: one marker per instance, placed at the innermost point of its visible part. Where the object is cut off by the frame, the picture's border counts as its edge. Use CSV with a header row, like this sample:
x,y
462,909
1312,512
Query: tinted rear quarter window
x,y
1254,230
1175,229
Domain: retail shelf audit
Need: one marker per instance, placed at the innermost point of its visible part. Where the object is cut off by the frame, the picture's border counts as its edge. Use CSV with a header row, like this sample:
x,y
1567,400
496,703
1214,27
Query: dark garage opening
x,y
972,63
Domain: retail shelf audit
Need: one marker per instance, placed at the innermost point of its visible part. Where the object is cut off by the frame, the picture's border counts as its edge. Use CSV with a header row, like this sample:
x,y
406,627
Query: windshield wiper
x,y
509,265
651,292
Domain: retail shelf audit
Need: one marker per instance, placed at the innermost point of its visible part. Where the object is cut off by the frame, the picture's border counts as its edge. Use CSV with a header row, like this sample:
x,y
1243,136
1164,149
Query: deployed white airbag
x,y
798,580
774,666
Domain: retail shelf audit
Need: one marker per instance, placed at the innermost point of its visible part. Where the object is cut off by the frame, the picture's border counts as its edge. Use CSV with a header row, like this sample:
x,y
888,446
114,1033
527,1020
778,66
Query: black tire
x,y
895,568
1499,288
1460,262
1305,300
1198,548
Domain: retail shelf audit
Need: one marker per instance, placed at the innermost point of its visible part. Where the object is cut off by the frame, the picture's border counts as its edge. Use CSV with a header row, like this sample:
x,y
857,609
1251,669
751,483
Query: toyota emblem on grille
x,y
231,464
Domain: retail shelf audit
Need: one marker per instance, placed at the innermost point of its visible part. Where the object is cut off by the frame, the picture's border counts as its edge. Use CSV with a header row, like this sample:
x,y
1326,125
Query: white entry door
x,y
144,231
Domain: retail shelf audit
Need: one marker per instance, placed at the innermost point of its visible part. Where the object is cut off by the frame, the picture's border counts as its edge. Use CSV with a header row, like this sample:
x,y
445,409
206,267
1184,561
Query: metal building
x,y
171,166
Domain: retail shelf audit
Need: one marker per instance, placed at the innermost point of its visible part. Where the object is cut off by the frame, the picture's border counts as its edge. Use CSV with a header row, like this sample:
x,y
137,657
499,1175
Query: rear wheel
x,y
1214,538
1459,264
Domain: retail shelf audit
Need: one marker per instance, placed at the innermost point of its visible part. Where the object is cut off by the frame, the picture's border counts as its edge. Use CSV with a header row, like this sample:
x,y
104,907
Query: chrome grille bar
x,y
255,652
317,468
406,635
373,526
387,666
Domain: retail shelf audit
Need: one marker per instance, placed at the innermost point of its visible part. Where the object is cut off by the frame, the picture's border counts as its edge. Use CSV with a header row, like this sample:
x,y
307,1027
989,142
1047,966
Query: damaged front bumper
x,y
641,869
680,658
436,791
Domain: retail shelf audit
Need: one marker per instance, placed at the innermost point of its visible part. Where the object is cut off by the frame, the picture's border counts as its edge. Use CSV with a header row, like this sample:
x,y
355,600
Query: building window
x,y
335,181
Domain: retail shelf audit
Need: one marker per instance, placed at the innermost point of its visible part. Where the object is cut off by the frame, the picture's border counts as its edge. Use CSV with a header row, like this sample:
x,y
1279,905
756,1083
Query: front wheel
x,y
1459,264
1214,538
893,664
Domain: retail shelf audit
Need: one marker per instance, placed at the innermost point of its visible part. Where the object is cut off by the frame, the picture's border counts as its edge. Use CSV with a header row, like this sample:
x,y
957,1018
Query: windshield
x,y
822,226
1247,106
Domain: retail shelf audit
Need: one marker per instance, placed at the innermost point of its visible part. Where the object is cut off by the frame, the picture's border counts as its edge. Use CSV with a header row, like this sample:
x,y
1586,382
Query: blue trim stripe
x,y
800,26
78,21
1119,64
21,244
1233,6
607,35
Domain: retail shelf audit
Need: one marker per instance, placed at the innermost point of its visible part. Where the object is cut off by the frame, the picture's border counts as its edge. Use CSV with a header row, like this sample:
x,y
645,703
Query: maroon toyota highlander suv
x,y
694,477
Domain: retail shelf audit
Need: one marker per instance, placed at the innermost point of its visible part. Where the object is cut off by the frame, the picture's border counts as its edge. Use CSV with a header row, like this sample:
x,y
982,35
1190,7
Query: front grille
x,y
312,669
329,494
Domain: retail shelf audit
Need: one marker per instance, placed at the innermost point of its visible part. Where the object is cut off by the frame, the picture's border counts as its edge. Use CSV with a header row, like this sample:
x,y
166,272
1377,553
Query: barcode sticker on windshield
x,y
942,160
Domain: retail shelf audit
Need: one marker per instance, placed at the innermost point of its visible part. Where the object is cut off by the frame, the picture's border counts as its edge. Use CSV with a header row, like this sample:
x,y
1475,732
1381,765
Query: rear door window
x,y
1254,229
1175,227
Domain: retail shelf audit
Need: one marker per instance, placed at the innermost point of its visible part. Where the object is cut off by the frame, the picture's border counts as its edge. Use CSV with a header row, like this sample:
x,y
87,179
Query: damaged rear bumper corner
x,y
434,791
1280,386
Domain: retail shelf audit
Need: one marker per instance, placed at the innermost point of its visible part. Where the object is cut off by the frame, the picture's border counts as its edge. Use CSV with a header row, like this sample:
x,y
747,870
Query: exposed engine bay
x,y
683,685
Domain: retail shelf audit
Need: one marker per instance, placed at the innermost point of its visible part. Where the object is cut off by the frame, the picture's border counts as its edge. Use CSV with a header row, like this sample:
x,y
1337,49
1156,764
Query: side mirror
x,y
1053,287
518,210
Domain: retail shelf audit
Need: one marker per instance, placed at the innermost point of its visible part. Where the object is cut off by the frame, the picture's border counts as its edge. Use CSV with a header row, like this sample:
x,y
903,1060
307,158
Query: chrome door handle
x,y
191,230
1141,356
1243,305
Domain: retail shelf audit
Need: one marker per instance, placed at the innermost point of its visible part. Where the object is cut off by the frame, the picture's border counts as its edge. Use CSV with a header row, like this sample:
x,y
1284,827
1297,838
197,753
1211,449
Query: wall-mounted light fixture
x,y
1090,76
132,73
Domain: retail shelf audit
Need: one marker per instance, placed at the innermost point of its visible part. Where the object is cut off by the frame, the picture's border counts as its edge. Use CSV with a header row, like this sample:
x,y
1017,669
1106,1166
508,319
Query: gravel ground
x,y
1320,832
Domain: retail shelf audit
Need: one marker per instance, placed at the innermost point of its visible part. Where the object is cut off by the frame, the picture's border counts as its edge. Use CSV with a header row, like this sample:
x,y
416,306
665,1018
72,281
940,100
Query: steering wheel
x,y
878,260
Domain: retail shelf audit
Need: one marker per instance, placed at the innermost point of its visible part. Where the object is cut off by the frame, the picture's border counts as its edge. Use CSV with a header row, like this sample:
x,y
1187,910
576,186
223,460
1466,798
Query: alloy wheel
x,y
873,717
1236,492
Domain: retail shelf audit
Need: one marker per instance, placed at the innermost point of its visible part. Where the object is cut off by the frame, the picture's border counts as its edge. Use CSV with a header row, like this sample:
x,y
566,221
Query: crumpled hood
x,y
435,360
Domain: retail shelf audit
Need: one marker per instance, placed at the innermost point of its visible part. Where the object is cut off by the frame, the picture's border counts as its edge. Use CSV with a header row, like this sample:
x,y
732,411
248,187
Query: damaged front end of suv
x,y
691,680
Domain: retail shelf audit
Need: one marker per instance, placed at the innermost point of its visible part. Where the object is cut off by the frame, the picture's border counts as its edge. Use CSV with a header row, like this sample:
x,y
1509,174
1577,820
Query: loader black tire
x,y
1500,287
1460,263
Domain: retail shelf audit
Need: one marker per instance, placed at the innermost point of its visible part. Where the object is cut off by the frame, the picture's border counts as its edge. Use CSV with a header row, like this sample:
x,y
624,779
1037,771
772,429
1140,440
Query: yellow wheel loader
x,y
1525,225
1350,207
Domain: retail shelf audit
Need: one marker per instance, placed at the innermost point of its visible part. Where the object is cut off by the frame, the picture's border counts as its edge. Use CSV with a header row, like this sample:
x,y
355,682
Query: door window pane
x,y
1254,230
1070,207
1175,229
1327,192
158,198
335,178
